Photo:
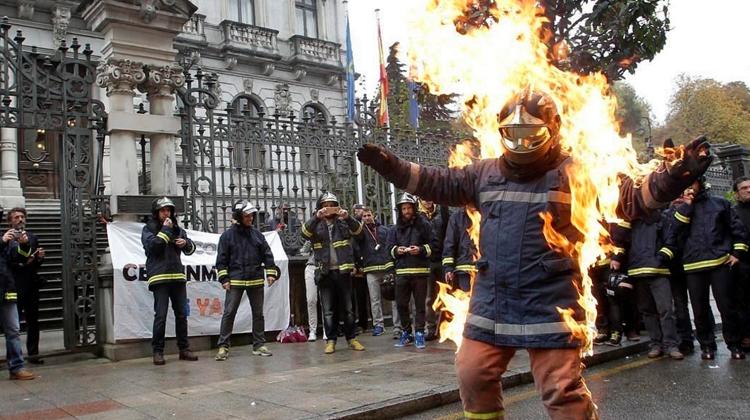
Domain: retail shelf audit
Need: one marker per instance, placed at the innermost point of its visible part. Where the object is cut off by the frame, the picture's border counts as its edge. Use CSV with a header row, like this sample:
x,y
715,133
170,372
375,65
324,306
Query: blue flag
x,y
413,105
349,75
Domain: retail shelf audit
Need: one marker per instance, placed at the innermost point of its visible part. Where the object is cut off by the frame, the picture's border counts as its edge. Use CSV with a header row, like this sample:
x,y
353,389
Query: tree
x,y
633,114
611,36
705,106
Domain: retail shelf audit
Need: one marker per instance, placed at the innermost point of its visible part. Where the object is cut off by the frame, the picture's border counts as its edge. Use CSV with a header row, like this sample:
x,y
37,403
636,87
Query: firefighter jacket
x,y
459,252
521,281
243,257
647,254
340,238
417,231
438,219
26,266
163,262
8,255
374,260
743,212
712,232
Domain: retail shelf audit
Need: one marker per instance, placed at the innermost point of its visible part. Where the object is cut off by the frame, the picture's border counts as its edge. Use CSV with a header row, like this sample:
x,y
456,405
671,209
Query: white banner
x,y
134,303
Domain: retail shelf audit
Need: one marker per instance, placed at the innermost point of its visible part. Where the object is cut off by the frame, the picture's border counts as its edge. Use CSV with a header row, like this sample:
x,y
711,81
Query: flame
x,y
487,58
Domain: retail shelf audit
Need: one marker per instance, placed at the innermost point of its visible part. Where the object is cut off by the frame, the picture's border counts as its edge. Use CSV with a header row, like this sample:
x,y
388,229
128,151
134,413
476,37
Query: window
x,y
242,11
315,113
306,12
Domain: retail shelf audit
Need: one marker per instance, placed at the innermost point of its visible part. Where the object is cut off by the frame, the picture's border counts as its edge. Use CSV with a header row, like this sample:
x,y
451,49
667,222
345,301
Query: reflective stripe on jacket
x,y
163,263
244,257
374,261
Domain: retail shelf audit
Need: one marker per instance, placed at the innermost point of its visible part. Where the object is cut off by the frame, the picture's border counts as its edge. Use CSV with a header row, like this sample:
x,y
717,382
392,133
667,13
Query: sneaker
x,y
654,353
707,354
330,347
405,339
262,351
676,355
601,339
419,339
738,354
396,333
188,355
615,339
21,375
159,359
355,345
222,354
633,336
312,336
377,330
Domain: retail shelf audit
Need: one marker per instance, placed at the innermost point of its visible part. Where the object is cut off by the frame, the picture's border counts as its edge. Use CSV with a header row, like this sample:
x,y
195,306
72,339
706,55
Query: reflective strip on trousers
x,y
517,329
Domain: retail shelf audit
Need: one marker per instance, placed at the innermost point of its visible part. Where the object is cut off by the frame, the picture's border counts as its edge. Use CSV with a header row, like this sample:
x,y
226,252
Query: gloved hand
x,y
377,157
694,162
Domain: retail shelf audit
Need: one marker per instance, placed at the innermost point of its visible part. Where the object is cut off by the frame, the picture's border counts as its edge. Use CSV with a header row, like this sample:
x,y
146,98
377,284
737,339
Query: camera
x,y
18,232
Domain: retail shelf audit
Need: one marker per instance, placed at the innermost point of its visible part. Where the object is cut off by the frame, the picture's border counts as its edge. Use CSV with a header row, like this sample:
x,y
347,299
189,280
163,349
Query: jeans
x,y
12,330
231,303
557,376
376,305
311,291
360,301
655,304
682,315
336,296
406,287
719,280
28,310
163,293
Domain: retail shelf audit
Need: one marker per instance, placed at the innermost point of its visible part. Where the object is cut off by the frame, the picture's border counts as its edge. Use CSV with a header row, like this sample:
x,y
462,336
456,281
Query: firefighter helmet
x,y
406,198
327,198
160,203
529,127
243,207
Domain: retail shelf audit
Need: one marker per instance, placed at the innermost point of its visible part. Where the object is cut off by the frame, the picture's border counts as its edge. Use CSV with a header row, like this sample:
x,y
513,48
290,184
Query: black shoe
x,y
600,339
686,347
708,355
188,355
431,336
615,339
738,354
159,359
36,360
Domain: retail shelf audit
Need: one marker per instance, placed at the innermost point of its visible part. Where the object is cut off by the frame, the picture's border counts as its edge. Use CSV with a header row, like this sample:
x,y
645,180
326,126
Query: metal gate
x,y
53,92
282,163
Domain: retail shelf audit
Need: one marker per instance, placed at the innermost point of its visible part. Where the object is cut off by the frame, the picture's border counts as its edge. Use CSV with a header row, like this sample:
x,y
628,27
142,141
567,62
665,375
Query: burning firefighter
x,y
522,280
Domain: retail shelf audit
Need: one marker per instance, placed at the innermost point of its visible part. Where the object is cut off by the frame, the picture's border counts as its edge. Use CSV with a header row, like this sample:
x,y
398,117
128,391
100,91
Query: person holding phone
x,y
331,231
28,282
409,244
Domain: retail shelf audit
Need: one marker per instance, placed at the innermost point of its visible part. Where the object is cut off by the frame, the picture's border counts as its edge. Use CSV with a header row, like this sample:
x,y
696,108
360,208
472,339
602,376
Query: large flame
x,y
496,56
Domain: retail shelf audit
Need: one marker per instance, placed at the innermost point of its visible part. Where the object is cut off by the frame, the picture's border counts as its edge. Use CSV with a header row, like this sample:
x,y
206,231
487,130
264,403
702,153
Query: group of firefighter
x,y
521,280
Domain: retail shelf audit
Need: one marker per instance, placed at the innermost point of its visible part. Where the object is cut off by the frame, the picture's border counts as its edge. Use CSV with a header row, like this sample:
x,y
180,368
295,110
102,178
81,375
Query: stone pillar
x,y
11,194
120,78
160,87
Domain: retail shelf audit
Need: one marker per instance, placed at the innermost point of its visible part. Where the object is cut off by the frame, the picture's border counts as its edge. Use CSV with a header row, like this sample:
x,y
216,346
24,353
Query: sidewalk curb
x,y
447,394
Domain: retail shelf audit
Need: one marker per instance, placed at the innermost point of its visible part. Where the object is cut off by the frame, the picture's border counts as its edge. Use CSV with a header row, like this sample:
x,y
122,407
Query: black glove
x,y
694,162
385,162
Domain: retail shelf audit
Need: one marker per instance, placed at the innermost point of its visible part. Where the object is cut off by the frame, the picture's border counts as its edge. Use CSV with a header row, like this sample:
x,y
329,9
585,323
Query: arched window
x,y
247,150
245,105
315,112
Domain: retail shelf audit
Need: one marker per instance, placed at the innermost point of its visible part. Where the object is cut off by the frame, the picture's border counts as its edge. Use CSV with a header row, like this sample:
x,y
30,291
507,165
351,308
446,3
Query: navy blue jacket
x,y
163,263
8,255
459,252
417,231
26,273
712,231
521,281
372,260
316,230
647,242
243,257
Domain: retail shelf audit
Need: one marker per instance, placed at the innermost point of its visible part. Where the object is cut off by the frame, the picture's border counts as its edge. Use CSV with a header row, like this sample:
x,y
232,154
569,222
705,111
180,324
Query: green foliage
x,y
705,106
633,114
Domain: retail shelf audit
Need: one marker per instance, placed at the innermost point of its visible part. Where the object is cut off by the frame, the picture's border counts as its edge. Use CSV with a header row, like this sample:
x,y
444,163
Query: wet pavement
x,y
298,381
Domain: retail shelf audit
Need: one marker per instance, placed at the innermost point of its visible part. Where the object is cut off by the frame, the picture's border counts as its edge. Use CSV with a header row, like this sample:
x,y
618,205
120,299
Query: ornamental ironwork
x,y
52,92
283,163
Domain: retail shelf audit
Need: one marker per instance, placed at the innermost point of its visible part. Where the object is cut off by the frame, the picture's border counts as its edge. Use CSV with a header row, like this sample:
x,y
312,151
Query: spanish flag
x,y
383,118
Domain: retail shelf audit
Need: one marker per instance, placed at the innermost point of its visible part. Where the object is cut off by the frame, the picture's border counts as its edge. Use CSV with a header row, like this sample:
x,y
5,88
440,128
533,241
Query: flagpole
x,y
349,104
383,117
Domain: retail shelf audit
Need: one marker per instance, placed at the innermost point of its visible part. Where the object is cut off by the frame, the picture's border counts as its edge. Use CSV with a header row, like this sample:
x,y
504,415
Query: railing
x,y
283,164
242,36
195,26
318,50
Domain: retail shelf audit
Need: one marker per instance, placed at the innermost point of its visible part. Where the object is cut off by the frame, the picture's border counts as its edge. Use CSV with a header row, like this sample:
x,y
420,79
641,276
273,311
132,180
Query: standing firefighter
x,y
459,251
331,232
242,259
409,243
164,241
521,281
375,264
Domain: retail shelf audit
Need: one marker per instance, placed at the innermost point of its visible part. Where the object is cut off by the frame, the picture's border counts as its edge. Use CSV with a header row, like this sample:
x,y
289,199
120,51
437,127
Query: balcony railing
x,y
249,38
194,29
316,50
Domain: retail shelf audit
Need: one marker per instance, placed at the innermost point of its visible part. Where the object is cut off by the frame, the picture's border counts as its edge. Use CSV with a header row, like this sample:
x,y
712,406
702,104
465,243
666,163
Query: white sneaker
x,y
312,336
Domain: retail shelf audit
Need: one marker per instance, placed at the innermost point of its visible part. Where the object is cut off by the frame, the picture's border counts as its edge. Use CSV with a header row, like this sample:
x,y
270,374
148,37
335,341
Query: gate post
x,y
11,194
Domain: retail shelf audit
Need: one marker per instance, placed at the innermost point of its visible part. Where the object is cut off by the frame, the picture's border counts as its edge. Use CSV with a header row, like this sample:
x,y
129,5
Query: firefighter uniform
x,y
459,251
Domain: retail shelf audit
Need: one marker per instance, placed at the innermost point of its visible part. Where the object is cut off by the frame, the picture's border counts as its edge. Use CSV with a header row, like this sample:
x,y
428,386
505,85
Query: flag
x,y
413,105
383,118
349,74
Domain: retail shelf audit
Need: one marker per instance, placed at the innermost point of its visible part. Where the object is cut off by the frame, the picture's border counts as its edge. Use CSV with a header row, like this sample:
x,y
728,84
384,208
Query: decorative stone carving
x,y
314,95
26,9
60,20
162,81
299,74
120,76
268,69
282,99
230,62
247,85
150,7
333,79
